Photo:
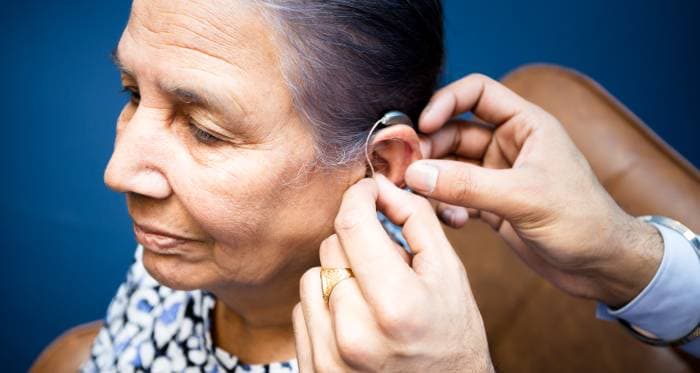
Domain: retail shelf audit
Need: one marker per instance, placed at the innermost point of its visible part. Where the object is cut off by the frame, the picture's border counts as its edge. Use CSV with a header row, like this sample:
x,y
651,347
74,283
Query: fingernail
x,y
422,177
381,178
447,217
459,217
454,217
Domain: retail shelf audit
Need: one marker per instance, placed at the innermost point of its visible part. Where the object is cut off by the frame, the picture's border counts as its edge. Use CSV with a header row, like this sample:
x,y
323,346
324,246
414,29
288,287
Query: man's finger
x,y
319,326
465,139
452,215
485,97
302,341
379,269
332,254
357,334
501,191
353,321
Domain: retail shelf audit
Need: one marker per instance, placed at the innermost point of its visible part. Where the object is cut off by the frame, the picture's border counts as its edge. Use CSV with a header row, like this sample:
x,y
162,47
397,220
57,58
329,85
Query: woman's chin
x,y
174,271
196,270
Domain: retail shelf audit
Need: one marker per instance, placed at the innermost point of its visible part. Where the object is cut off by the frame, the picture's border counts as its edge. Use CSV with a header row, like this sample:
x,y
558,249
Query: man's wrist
x,y
637,249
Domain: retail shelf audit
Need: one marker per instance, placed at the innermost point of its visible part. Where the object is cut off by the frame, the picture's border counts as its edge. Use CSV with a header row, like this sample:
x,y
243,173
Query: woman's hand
x,y
524,176
397,314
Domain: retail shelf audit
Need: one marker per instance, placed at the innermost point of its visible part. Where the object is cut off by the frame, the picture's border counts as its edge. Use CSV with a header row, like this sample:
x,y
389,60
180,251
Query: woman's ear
x,y
392,150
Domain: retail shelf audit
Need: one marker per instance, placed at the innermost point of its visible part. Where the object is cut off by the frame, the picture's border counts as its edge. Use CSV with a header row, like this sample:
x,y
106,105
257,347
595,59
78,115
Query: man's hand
x,y
398,314
521,173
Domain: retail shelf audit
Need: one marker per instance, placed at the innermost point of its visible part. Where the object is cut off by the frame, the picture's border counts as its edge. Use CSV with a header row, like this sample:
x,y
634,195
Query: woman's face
x,y
210,149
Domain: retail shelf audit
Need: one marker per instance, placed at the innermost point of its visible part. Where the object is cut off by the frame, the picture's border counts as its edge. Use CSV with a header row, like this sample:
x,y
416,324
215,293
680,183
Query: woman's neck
x,y
255,324
252,344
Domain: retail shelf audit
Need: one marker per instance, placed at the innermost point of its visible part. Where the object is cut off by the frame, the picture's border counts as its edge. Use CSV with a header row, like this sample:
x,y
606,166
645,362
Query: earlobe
x,y
393,149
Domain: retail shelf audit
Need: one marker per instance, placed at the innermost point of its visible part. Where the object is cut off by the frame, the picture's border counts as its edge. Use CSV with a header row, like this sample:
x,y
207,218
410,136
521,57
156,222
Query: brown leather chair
x,y
531,326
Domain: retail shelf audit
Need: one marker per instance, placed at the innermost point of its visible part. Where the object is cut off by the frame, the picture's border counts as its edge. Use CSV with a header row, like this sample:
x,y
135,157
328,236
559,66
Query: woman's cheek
x,y
245,196
227,206
222,217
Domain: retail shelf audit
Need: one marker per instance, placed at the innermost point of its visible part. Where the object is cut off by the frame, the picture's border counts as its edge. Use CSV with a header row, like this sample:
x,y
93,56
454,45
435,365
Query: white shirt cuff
x,y
669,307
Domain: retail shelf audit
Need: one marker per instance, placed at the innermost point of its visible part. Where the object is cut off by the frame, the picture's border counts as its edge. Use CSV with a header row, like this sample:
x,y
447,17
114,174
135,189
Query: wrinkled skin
x,y
233,174
211,149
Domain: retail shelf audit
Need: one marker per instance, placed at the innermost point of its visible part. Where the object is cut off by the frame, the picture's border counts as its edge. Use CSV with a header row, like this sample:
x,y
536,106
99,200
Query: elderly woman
x,y
243,154
245,127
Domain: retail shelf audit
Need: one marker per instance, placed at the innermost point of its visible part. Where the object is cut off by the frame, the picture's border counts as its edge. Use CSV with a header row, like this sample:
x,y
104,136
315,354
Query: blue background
x,y
67,239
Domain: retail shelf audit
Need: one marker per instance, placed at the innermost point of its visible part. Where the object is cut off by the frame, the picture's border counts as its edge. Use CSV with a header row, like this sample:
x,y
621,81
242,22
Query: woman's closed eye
x,y
134,94
200,134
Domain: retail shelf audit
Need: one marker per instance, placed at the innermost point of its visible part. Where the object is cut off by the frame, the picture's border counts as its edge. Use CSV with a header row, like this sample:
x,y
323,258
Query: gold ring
x,y
330,277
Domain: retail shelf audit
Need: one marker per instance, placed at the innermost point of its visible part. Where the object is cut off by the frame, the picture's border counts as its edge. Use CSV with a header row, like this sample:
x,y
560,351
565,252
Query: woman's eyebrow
x,y
225,104
118,63
186,95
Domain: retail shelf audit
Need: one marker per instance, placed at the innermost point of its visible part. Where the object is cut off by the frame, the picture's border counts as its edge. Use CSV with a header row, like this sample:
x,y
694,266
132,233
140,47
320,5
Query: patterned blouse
x,y
150,327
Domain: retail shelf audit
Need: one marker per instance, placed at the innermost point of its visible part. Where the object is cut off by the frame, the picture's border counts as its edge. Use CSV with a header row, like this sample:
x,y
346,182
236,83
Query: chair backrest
x,y
533,326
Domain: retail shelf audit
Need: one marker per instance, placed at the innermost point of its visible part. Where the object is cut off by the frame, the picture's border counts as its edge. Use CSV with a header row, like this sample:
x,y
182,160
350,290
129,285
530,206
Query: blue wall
x,y
67,238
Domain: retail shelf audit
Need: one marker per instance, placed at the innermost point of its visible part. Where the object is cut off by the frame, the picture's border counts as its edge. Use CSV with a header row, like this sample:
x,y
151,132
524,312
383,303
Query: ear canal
x,y
389,157
375,163
388,119
393,149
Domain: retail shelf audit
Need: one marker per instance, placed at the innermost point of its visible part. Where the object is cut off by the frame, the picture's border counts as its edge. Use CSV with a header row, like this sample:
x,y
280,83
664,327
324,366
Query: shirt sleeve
x,y
669,307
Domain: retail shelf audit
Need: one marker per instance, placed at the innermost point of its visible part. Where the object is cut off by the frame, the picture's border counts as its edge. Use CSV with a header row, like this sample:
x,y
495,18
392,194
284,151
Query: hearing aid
x,y
390,118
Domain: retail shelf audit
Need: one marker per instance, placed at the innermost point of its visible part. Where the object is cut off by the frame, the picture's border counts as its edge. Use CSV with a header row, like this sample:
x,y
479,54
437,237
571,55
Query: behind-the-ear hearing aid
x,y
390,118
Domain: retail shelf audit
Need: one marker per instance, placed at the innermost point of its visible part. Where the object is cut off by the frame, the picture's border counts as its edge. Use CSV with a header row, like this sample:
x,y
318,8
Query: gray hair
x,y
347,62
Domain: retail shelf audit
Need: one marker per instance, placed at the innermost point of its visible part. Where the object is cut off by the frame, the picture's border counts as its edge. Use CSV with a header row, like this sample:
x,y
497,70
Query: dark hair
x,y
350,61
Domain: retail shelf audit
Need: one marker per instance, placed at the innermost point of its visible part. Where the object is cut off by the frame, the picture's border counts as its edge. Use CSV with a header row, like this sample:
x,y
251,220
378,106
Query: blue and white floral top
x,y
150,327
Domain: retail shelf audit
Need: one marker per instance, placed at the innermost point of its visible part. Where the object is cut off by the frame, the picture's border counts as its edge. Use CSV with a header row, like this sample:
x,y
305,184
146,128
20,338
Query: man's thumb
x,y
468,185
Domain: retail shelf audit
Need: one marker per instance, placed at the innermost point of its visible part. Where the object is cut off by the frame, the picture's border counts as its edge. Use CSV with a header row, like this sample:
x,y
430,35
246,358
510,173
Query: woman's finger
x,y
303,343
379,269
319,326
485,97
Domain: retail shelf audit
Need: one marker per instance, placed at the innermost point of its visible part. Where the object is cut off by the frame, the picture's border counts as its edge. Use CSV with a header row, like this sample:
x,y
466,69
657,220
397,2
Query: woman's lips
x,y
157,240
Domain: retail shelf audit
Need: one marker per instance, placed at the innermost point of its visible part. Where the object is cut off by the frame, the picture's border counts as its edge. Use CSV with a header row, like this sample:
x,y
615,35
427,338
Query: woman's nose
x,y
139,156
